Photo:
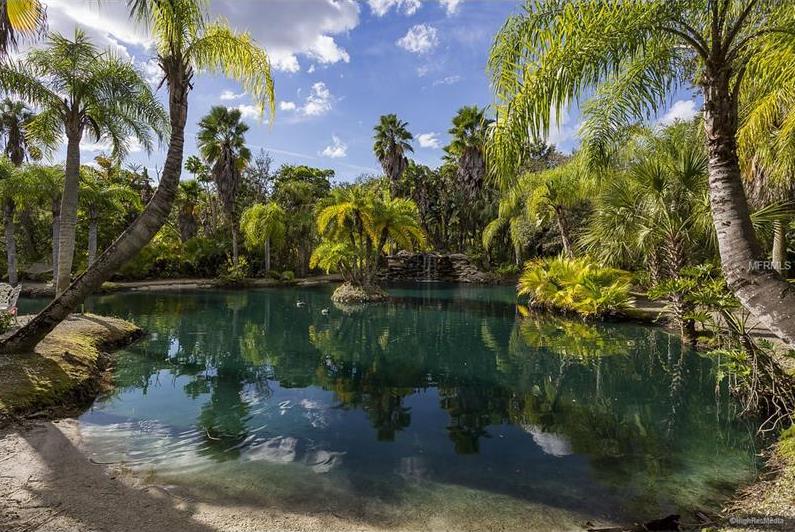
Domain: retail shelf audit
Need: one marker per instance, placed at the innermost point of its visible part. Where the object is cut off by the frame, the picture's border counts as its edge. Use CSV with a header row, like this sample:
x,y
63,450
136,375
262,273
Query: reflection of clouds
x,y
322,461
281,449
315,413
551,443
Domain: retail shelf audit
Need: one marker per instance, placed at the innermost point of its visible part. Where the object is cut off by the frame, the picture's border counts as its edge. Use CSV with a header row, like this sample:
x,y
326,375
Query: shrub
x,y
578,285
288,275
234,274
6,319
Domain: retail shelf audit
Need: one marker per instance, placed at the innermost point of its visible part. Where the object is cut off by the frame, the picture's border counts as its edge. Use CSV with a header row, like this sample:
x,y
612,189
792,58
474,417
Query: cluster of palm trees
x,y
110,101
629,58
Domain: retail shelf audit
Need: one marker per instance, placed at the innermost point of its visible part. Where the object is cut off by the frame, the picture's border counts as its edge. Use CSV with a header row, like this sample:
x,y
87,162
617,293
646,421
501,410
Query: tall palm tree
x,y
78,90
631,56
392,142
264,225
20,18
99,195
14,117
184,42
222,143
14,188
467,146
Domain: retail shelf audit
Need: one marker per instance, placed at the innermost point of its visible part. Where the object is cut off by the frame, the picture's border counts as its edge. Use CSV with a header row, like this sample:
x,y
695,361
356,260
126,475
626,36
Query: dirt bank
x,y
66,367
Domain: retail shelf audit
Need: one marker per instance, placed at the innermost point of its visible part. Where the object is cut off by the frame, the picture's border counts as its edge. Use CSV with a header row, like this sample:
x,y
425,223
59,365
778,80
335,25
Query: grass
x,y
66,366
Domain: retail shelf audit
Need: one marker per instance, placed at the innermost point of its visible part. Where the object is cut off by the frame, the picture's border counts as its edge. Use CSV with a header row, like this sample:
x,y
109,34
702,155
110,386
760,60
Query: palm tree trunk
x,y
563,227
267,255
92,238
761,290
66,234
780,248
130,241
234,244
56,231
11,240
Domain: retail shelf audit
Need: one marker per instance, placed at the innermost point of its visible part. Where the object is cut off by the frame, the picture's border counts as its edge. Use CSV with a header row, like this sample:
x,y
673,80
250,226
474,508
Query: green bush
x,y
578,286
288,275
234,274
6,320
507,270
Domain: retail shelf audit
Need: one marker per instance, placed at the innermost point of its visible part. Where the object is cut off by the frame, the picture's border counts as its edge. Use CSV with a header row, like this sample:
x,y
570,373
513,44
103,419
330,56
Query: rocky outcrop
x,y
407,266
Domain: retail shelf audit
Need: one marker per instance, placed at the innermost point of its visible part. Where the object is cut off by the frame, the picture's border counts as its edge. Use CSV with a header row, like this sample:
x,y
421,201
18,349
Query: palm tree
x,y
18,18
357,226
188,199
78,90
467,147
47,184
184,42
14,117
14,188
631,56
222,143
99,195
264,225
392,142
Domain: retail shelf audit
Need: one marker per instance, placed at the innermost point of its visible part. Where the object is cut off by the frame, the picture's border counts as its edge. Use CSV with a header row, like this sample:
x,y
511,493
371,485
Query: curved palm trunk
x,y
11,240
66,234
760,289
92,238
129,242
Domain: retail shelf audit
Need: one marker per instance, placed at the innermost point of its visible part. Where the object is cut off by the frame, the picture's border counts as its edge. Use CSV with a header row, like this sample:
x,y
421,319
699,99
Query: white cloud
x,y
336,150
448,80
561,132
683,110
382,7
428,140
311,69
451,6
231,95
286,106
319,101
249,111
133,145
419,39
151,70
292,29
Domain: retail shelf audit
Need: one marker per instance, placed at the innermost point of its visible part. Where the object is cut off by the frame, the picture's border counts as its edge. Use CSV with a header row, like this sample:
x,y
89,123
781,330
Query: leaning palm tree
x,y
263,225
222,144
392,142
631,56
184,42
82,91
467,147
20,18
99,195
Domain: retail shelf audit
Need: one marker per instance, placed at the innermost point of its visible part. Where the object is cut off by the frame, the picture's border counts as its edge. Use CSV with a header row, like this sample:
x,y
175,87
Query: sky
x,y
337,65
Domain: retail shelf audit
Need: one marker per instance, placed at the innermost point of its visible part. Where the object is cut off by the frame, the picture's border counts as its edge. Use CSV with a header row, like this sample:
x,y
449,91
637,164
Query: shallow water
x,y
444,407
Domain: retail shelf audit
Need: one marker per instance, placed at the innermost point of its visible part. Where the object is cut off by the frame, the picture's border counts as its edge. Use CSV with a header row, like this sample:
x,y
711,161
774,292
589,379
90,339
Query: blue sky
x,y
338,65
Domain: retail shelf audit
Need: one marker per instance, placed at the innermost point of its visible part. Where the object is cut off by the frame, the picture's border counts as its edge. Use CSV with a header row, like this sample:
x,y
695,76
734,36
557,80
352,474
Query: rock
x,y
406,266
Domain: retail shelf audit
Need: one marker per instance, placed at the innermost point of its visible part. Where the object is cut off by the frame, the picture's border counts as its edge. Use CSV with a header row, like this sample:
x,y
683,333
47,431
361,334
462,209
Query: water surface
x,y
444,406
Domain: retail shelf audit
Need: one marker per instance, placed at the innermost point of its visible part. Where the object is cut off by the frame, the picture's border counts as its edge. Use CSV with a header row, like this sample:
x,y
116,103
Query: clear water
x,y
445,406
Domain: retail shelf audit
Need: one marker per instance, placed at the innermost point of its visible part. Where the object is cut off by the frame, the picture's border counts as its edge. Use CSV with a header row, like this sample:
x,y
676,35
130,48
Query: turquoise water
x,y
445,405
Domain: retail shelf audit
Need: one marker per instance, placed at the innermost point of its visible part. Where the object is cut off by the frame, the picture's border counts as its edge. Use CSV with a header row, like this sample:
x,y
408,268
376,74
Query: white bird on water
x,y
324,312
299,303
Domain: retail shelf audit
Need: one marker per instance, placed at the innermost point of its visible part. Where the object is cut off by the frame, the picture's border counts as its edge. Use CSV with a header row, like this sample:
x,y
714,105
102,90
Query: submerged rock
x,y
351,293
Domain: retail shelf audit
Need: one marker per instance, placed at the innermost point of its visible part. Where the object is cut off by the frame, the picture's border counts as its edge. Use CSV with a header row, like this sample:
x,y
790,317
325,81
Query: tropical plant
x,y
263,225
357,226
46,184
222,143
392,142
467,147
184,42
98,195
188,199
631,56
20,18
81,90
576,285
13,189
